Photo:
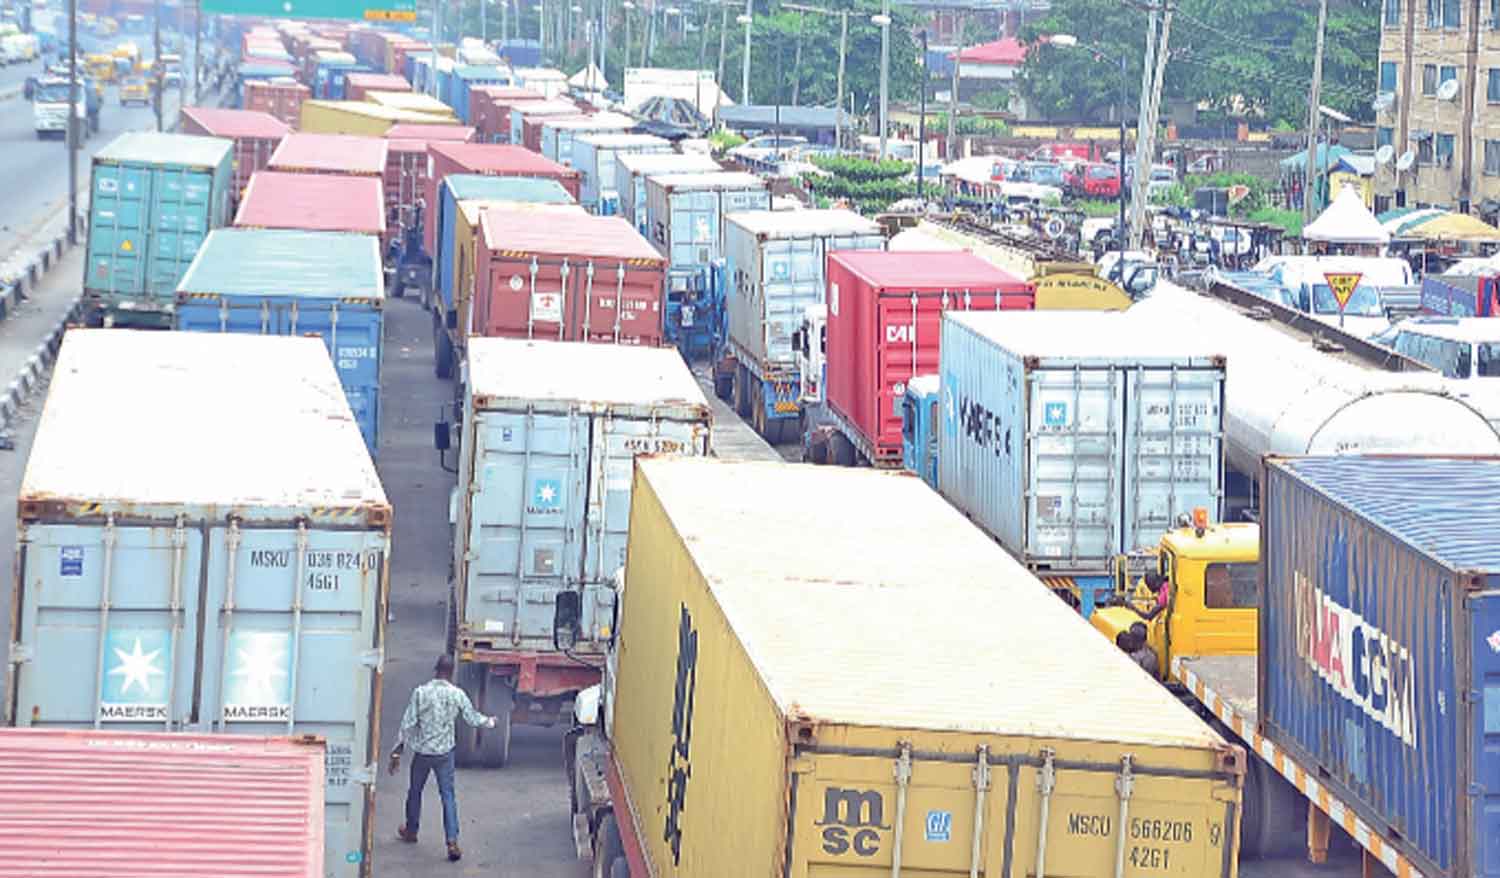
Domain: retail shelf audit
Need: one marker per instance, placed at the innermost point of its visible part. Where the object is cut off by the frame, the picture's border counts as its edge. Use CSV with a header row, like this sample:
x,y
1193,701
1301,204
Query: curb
x,y
17,289
12,294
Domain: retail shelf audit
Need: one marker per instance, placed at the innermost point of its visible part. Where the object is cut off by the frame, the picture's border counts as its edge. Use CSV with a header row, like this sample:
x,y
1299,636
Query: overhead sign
x,y
357,10
1343,286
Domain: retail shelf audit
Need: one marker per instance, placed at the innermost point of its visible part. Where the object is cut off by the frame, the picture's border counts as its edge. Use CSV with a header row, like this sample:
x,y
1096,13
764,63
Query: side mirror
x,y
442,435
566,617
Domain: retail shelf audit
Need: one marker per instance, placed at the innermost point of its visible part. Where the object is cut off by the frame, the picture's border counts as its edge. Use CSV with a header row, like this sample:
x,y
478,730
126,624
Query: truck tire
x,y
840,450
1274,821
469,678
723,384
494,744
737,399
608,849
442,350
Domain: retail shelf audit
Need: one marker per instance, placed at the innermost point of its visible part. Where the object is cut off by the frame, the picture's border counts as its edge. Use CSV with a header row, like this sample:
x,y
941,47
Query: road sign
x,y
1343,286
359,10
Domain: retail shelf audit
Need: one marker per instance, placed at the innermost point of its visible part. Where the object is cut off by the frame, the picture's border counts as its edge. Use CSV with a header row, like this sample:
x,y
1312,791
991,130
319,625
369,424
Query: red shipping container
x,y
424,132
563,276
495,159
405,181
256,135
357,85
331,154
402,51
281,99
489,109
884,315
316,202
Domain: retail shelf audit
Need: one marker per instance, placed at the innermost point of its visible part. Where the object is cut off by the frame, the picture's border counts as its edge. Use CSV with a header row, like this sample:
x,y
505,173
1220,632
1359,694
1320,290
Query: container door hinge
x,y
21,653
373,658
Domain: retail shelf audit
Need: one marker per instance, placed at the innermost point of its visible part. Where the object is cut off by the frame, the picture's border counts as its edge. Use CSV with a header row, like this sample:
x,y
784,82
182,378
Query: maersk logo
x,y
546,497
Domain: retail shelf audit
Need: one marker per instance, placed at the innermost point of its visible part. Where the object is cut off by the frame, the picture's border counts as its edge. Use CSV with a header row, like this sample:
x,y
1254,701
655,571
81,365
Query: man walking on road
x,y
428,727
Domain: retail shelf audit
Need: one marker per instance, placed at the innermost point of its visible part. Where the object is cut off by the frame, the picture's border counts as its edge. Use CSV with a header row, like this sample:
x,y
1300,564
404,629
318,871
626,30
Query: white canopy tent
x,y
588,79
1347,221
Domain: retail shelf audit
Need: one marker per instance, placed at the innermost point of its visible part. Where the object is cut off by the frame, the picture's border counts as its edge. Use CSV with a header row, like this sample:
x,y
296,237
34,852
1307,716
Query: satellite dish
x,y
1448,90
1407,159
1383,102
1385,154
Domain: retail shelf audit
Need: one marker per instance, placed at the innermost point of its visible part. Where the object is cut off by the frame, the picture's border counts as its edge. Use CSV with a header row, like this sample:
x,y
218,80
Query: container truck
x,y
774,262
49,108
684,220
256,135
154,198
296,282
846,705
490,107
466,78
595,156
281,98
539,514
1072,439
633,168
526,120
885,313
218,567
492,160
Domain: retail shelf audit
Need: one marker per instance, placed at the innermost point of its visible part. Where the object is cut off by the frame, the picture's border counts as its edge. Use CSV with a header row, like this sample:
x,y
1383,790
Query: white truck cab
x,y
811,343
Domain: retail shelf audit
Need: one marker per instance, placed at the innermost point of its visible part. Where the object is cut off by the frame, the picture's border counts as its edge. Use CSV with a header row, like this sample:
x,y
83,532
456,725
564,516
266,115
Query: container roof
x,y
237,123
534,189
504,158
287,262
330,152
156,148
419,131
381,81
710,180
581,373
224,422
313,202
661,162
596,121
509,92
960,636
406,100
575,237
159,799
803,223
551,107
942,270
612,140
1442,507
1080,335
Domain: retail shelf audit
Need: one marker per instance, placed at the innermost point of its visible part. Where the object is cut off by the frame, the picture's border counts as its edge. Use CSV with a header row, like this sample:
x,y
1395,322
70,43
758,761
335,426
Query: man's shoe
x,y
454,854
406,835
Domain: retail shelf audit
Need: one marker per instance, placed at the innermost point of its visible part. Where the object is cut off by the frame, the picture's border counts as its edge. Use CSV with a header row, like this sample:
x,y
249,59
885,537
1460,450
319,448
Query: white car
x,y
768,147
1458,347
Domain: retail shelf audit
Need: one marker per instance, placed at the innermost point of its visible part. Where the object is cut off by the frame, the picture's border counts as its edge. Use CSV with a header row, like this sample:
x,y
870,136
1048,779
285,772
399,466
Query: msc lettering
x,y
1141,828
852,821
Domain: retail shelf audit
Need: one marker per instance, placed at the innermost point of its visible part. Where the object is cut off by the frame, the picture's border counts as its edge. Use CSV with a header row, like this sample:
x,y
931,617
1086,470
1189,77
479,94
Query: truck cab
x,y
49,108
1214,592
811,343
919,427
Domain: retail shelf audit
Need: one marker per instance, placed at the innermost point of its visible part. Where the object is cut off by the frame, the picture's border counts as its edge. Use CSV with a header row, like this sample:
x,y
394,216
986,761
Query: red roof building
x,y
1001,59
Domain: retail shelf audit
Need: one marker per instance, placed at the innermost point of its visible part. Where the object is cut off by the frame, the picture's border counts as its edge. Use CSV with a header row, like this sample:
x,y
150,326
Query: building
x,y
1445,139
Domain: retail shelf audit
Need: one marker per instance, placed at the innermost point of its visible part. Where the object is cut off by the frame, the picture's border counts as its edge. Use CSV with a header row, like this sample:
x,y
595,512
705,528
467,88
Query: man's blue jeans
x,y
442,766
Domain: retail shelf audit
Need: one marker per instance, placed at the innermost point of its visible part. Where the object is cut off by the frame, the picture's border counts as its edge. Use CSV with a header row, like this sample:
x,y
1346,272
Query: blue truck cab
x,y
920,417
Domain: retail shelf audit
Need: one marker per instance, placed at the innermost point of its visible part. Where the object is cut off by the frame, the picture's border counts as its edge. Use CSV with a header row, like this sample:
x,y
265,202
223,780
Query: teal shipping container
x,y
202,547
154,199
291,282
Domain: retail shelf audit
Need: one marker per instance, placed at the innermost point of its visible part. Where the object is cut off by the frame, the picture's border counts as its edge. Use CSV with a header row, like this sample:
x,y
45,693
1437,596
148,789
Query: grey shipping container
x,y
1380,645
632,169
203,546
1071,439
550,434
685,212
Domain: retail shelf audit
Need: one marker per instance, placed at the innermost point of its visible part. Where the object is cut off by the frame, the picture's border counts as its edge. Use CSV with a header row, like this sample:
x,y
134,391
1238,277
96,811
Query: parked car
x,y
1458,347
768,147
1095,180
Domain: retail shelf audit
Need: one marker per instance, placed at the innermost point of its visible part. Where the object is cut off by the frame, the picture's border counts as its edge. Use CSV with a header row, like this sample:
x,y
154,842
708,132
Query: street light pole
x,y
156,63
73,121
884,20
745,74
922,122
723,34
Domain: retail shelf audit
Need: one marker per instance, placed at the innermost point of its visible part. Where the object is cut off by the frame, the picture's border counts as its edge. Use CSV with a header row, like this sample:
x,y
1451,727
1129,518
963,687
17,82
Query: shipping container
x,y
154,198
281,99
313,202
595,155
330,71
526,120
411,102
358,85
548,80
489,109
190,806
634,168
330,154
489,159
685,212
399,52
879,696
467,77
774,263
201,571
428,132
566,277
1072,439
550,430
558,135
256,135
1380,645
405,181
359,118
292,282
885,313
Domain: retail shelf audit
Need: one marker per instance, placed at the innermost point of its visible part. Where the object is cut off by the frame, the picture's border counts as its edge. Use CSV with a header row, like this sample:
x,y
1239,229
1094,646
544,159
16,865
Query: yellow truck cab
x,y
1213,597
135,90
100,66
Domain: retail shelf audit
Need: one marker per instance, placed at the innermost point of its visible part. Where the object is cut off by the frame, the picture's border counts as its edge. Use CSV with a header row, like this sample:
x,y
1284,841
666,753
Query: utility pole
x,y
484,36
723,34
885,72
953,104
156,63
72,121
922,123
702,59
437,37
603,44
838,101
1314,115
745,74
197,47
625,54
1145,137
1136,191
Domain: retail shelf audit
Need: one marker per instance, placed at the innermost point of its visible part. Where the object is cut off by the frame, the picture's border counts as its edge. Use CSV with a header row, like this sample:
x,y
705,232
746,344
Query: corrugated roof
x,y
613,140
1443,507
932,624
1008,51
766,116
132,805
580,372
599,237
287,262
330,152
313,202
237,123
956,270
166,150
378,81
533,189
505,158
666,162
414,131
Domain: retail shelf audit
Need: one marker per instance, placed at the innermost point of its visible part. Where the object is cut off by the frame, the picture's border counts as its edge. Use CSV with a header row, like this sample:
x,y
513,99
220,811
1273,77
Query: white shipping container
x,y
1070,438
634,168
685,212
596,157
558,136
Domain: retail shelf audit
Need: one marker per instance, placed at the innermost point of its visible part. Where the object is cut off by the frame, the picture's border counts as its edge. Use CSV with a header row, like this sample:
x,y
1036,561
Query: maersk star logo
x,y
137,671
259,660
546,495
137,667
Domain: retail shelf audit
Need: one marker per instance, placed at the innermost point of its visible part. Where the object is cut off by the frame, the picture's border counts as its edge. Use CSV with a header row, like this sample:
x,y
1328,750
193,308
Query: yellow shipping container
x,y
359,117
411,102
465,235
821,689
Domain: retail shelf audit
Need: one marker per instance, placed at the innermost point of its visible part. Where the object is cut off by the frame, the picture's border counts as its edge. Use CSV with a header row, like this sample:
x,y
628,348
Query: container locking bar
x,y
296,645
619,298
903,782
179,547
109,569
981,786
1125,787
588,298
1046,781
531,303
562,299
226,615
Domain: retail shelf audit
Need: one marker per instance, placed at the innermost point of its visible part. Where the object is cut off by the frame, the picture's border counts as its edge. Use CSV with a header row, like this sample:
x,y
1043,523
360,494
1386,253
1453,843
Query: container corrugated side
x,y
635,168
1380,645
1072,439
685,213
597,164
765,702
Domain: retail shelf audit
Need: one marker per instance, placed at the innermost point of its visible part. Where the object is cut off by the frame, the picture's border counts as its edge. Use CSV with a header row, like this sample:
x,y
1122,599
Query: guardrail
x,y
13,292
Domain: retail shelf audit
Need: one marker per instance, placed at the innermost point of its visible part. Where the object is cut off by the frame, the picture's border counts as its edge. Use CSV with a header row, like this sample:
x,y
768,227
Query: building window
x,y
1445,148
1446,73
1492,158
1451,14
1494,14
1424,150
1429,79
1393,12
1434,13
1388,74
1493,93
1384,137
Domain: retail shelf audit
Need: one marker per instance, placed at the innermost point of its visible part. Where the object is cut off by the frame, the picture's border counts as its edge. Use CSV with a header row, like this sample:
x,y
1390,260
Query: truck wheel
x,y
840,450
737,393
442,351
723,384
1274,821
608,849
494,744
469,677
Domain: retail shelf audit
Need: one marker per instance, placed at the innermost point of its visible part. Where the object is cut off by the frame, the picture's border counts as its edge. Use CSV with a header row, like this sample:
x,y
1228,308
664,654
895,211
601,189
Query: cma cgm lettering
x,y
1359,661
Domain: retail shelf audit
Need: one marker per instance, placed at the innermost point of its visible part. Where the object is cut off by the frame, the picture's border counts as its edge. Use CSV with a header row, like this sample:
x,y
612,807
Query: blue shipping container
x,y
479,187
1380,645
466,76
155,198
292,282
203,547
